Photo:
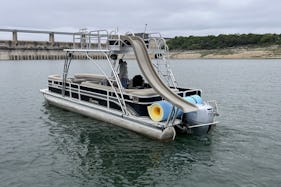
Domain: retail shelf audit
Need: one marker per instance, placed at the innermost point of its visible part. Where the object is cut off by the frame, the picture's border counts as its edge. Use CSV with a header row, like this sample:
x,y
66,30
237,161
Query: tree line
x,y
223,41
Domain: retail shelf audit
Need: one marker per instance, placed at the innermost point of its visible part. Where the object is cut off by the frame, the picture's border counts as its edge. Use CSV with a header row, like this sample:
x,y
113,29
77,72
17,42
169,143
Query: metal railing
x,y
120,98
111,95
98,37
157,45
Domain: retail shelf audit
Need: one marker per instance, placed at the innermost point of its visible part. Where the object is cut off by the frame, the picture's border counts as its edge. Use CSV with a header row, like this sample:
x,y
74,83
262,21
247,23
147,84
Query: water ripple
x,y
41,145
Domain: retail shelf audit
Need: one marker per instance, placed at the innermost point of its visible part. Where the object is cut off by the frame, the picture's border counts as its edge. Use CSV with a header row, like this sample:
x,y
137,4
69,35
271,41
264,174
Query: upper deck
x,y
104,41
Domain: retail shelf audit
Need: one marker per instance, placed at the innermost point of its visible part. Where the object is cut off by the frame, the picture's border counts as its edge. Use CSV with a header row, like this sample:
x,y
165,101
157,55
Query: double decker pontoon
x,y
150,103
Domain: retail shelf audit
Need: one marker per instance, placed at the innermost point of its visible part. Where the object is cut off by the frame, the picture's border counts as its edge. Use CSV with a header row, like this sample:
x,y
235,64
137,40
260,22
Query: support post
x,y
83,41
15,36
51,37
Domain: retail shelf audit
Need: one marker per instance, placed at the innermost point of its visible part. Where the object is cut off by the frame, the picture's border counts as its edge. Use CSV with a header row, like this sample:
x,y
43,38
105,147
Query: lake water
x,y
41,145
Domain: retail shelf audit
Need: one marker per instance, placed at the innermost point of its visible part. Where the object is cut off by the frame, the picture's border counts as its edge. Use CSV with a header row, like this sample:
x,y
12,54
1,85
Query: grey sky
x,y
174,17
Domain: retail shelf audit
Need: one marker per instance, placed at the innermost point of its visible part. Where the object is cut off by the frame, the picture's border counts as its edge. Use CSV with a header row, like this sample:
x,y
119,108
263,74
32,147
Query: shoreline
x,y
271,52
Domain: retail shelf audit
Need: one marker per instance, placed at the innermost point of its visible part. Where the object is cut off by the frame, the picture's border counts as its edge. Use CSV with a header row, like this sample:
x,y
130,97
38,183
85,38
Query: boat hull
x,y
114,117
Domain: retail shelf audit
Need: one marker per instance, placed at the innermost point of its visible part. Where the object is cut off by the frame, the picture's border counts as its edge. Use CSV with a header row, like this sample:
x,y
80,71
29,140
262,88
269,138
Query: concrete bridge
x,y
15,49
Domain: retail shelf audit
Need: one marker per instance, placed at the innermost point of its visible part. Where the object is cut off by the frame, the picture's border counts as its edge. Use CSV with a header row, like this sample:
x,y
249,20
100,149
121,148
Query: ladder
x,y
162,63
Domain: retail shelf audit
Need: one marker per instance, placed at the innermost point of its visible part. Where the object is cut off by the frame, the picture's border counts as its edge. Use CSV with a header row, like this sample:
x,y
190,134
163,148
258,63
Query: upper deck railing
x,y
101,40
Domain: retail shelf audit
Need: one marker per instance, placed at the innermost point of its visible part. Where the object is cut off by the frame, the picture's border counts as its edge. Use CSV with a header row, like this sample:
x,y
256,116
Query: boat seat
x,y
92,84
142,92
79,78
57,77
135,92
145,92
95,78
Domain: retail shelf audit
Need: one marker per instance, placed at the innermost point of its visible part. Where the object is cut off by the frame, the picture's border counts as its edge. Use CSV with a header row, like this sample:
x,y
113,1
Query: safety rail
x,y
79,91
110,94
120,99
80,38
119,85
99,40
157,45
105,40
98,37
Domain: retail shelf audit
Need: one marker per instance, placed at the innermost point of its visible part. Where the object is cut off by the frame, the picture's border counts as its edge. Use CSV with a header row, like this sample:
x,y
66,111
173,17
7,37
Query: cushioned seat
x,y
89,77
135,92
57,77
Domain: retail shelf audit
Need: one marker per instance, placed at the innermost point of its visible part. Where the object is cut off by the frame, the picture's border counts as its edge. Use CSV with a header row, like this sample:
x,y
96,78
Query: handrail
x,y
65,71
162,55
85,38
118,83
113,32
99,38
98,96
101,96
121,101
81,37
130,33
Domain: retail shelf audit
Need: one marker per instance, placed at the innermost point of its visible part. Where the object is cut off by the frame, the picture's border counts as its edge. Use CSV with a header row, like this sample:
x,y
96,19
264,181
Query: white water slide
x,y
152,77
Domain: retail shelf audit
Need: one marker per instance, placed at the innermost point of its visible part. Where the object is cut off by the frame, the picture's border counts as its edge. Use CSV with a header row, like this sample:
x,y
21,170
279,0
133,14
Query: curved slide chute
x,y
152,77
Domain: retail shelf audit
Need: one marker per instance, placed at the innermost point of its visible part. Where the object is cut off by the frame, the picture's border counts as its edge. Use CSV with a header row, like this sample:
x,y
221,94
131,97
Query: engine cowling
x,y
204,115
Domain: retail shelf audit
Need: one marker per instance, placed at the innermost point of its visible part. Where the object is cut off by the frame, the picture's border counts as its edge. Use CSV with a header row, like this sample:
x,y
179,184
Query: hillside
x,y
226,46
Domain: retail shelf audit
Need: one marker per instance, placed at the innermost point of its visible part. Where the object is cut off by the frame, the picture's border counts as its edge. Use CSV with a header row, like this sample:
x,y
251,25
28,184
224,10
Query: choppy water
x,y
42,145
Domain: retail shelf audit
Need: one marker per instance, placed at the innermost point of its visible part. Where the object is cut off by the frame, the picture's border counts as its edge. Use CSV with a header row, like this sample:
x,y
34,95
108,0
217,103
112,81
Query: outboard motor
x,y
199,122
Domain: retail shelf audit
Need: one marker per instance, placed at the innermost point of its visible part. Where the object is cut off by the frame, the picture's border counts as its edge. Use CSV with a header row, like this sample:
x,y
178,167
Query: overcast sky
x,y
173,17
